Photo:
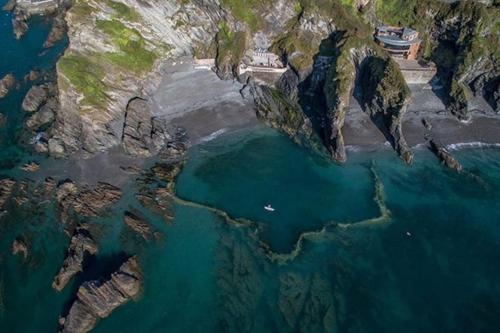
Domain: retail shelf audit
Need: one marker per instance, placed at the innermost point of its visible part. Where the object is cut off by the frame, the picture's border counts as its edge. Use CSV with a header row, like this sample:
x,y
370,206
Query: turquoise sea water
x,y
432,266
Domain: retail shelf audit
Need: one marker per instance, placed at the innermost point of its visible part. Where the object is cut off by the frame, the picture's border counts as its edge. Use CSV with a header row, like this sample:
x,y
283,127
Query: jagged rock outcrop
x,y
280,112
97,299
143,135
99,75
88,201
387,96
81,246
444,156
6,84
338,88
36,96
138,225
43,117
57,32
461,37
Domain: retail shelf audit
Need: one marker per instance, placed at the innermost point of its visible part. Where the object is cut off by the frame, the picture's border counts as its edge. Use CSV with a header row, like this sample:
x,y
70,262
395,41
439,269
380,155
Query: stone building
x,y
399,41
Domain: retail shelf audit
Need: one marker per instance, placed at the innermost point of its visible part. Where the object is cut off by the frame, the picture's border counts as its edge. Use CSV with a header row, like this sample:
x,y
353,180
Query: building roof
x,y
397,36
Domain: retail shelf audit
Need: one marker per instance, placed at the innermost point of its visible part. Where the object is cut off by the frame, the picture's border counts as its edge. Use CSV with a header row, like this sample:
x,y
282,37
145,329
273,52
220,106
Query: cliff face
x,y
114,55
117,48
461,38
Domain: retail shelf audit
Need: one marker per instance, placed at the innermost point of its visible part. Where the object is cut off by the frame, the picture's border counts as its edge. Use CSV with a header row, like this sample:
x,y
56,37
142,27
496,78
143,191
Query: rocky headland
x,y
121,57
126,102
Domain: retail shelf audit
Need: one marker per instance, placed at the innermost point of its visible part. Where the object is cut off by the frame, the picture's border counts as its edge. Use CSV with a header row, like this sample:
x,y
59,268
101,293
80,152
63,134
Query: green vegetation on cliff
x,y
456,37
123,11
230,46
86,76
133,53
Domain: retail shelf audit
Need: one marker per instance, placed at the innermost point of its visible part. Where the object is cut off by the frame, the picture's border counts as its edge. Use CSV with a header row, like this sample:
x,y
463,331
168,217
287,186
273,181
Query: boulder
x,y
44,117
33,75
35,97
6,84
55,148
98,299
81,246
6,188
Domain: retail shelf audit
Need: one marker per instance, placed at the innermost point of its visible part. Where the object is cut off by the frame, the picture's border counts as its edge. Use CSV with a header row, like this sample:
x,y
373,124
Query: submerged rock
x,y
97,299
31,167
19,247
44,117
6,188
20,24
6,84
444,156
3,119
35,97
81,246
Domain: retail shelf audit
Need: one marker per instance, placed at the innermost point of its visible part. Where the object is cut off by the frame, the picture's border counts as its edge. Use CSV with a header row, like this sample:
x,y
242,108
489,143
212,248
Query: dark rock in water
x,y
159,199
57,32
20,24
33,75
19,247
97,299
89,202
82,245
307,303
6,188
31,167
3,119
6,84
138,225
35,97
44,117
444,156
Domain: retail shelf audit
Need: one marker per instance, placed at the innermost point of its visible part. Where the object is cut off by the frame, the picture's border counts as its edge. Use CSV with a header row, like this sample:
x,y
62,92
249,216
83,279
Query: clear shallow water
x,y
207,275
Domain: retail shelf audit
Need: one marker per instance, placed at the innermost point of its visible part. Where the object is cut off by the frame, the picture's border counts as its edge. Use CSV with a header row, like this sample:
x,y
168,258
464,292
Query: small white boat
x,y
269,208
408,234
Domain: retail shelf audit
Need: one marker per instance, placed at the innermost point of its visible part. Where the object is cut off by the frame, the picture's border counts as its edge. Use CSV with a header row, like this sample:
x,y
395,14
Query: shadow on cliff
x,y
311,95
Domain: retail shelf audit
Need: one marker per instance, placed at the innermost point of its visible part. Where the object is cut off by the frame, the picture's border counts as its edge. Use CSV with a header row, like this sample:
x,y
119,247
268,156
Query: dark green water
x,y
431,267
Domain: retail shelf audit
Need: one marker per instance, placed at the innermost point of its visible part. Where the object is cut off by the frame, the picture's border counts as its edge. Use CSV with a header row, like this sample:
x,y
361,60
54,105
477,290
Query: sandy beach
x,y
361,133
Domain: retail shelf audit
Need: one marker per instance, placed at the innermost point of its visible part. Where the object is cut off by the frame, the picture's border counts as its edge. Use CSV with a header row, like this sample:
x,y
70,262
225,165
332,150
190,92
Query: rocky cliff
x,y
117,49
